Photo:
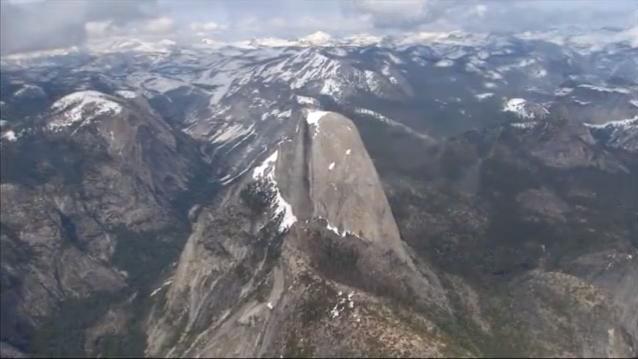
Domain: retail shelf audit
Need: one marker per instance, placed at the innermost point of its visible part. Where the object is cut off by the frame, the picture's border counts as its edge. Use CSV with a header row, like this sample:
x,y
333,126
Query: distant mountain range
x,y
431,194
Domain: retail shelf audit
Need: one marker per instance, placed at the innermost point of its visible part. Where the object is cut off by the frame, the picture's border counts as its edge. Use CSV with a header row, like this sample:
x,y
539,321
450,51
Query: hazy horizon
x,y
44,24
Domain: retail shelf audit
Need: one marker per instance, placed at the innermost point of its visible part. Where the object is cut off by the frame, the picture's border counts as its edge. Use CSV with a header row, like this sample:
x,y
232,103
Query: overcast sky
x,y
38,24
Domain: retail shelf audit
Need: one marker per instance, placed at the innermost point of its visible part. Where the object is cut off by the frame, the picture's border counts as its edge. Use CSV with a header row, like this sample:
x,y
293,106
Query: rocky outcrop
x,y
342,185
621,134
540,250
267,245
101,172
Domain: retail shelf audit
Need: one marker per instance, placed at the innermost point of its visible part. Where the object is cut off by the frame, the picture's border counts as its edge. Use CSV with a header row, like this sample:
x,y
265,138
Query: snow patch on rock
x,y
305,100
524,125
379,117
10,136
230,132
313,119
334,229
126,94
621,124
582,103
344,302
523,109
331,87
266,172
517,106
167,283
30,90
619,90
483,96
563,91
444,63
82,106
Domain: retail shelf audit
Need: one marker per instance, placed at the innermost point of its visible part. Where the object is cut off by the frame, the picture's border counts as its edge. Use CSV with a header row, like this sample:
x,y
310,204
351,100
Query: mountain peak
x,y
82,106
341,181
318,38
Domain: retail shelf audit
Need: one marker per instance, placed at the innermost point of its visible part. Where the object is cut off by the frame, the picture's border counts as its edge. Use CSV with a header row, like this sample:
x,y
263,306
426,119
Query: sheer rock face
x,y
245,277
337,188
340,179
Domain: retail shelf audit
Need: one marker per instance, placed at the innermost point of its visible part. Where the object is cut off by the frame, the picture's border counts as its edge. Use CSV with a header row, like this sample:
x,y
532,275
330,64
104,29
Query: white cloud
x,y
399,12
404,14
480,10
292,28
98,28
277,22
159,25
210,26
397,8
47,25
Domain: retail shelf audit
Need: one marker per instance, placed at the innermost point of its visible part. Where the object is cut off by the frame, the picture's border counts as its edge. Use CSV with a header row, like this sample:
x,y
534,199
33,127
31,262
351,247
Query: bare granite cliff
x,y
289,248
96,182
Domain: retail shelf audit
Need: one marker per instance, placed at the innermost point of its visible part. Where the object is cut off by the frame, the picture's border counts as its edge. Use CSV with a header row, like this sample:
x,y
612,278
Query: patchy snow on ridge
x,y
276,113
517,106
634,103
343,303
9,136
524,125
266,169
372,81
305,100
82,106
619,90
168,282
523,109
331,88
444,63
334,229
618,134
266,172
483,96
621,124
313,119
563,91
27,89
394,59
82,98
126,94
383,119
230,132
582,103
